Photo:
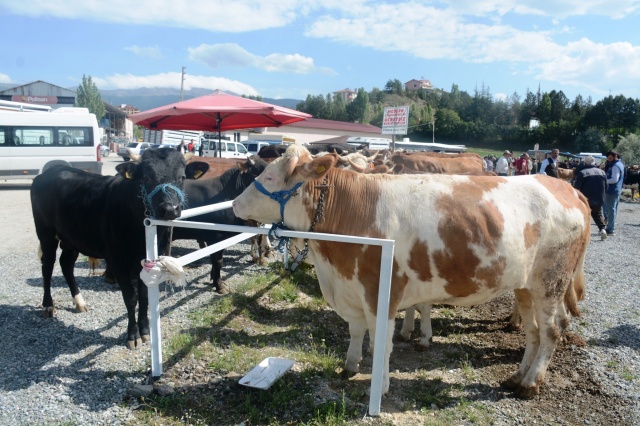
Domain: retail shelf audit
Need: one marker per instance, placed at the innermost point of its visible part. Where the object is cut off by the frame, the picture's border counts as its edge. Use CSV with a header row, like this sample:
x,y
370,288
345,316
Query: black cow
x,y
225,187
338,148
271,152
102,217
632,178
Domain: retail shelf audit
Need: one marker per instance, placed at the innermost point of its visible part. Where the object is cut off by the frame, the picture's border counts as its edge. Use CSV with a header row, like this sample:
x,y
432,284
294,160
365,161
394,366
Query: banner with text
x,y
395,120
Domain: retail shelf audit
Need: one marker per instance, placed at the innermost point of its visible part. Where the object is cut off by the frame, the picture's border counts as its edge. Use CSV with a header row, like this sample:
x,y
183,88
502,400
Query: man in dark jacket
x,y
592,182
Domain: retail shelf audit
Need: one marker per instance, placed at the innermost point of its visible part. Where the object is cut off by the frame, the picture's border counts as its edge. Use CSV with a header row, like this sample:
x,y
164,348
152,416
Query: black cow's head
x,y
161,174
251,168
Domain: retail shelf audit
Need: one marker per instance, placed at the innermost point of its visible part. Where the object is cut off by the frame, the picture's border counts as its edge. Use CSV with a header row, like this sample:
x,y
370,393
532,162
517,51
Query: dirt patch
x,y
455,381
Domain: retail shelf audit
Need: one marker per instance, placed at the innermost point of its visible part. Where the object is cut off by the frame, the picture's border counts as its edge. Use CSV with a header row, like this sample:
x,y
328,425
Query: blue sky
x,y
292,48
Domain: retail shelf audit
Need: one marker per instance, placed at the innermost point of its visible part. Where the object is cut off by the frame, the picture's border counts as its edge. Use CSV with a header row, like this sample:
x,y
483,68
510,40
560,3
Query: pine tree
x,y
88,96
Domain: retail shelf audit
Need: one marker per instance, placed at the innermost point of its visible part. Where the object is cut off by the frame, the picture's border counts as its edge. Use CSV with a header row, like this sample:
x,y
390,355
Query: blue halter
x,y
280,196
168,189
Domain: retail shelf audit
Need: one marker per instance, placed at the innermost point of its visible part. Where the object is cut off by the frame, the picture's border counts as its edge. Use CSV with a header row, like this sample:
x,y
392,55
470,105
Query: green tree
x,y
314,105
629,149
591,140
88,96
358,109
338,110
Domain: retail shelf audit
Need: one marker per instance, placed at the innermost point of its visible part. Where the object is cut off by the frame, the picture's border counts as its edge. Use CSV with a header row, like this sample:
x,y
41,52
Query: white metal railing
x,y
384,290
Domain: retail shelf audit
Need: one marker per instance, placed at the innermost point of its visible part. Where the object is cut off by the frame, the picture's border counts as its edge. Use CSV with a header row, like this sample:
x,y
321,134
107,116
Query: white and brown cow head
x,y
282,179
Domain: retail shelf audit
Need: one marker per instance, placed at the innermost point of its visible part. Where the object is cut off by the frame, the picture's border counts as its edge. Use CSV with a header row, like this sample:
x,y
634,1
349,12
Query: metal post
x,y
151,234
382,328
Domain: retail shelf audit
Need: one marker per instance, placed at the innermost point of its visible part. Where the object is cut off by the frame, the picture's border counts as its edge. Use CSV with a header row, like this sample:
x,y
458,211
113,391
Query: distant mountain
x,y
147,98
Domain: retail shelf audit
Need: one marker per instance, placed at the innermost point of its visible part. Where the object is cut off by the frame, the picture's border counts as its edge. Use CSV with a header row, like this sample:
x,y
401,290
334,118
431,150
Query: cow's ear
x,y
316,168
196,169
245,165
126,169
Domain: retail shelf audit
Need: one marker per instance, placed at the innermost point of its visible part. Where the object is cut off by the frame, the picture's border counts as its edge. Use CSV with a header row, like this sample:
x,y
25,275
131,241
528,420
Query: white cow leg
x,y
549,337
514,322
408,323
426,333
532,338
357,329
254,250
562,318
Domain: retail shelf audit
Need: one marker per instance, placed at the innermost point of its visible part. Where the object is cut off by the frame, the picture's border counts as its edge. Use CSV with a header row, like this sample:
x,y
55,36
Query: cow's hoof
x,y
404,338
81,306
222,289
528,392
513,327
145,338
510,384
423,345
48,312
344,373
134,344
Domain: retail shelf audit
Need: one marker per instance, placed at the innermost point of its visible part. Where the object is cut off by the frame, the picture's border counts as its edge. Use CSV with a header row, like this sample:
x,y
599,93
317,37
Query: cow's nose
x,y
168,211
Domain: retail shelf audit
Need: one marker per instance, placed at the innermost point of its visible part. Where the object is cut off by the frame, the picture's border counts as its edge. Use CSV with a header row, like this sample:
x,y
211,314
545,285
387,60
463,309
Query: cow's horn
x,y
356,167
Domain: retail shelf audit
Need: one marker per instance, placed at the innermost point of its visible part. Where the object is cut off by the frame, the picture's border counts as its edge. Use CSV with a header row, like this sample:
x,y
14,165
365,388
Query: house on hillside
x,y
128,109
414,85
347,95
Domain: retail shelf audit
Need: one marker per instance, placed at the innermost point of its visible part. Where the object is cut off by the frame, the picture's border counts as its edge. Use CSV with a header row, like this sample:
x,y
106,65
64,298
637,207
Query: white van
x,y
228,149
33,141
254,146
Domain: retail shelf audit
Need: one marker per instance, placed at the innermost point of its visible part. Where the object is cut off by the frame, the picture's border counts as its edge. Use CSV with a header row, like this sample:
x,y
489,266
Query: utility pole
x,y
184,72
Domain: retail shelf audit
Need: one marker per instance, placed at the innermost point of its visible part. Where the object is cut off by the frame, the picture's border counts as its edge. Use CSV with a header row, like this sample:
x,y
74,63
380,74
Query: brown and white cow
x,y
434,162
460,240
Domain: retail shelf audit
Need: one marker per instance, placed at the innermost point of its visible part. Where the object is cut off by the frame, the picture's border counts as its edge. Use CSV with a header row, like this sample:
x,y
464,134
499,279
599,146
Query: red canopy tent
x,y
219,112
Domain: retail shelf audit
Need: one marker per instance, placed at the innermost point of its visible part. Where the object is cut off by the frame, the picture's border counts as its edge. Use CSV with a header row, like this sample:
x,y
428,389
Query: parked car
x,y
104,151
132,148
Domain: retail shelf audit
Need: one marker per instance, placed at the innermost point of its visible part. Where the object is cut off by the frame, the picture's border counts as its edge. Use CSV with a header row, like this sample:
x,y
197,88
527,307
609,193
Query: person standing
x,y
615,177
191,147
592,182
522,165
502,166
549,166
489,162
182,148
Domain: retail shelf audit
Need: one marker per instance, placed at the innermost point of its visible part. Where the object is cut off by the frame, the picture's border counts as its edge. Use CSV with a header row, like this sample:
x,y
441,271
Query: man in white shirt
x,y
550,164
502,166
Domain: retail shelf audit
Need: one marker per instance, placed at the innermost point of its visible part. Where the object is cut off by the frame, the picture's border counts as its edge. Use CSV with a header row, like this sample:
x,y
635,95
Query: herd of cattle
x,y
460,237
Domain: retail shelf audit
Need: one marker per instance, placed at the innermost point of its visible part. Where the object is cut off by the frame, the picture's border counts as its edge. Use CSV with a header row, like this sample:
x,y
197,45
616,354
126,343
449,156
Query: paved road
x,y
17,232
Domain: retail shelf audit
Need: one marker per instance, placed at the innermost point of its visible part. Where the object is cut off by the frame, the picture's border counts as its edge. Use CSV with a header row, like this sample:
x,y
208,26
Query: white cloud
x,y
151,52
5,78
559,9
231,54
432,33
173,80
210,15
598,67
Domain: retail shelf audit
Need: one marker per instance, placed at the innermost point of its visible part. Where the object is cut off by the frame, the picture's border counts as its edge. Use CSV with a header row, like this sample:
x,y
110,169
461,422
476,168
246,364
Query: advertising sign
x,y
30,99
395,120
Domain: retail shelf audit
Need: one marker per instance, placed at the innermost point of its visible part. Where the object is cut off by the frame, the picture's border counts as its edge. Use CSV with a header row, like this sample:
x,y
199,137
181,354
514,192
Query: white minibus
x,y
228,149
32,141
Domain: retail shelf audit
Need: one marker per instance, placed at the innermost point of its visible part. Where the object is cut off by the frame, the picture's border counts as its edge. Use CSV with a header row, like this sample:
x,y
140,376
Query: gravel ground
x,y
76,369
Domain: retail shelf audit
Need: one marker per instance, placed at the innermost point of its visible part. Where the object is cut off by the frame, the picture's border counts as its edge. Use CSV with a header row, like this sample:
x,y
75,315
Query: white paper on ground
x,y
266,373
